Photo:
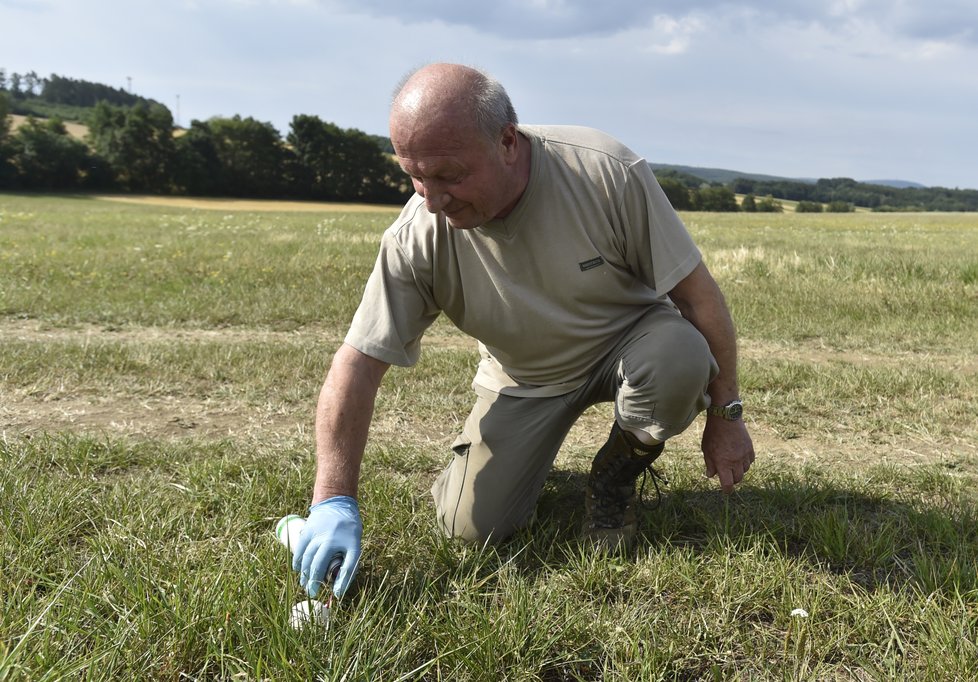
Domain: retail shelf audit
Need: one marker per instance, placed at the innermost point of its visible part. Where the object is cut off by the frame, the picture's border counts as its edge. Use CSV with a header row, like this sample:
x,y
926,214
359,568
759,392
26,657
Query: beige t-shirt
x,y
592,243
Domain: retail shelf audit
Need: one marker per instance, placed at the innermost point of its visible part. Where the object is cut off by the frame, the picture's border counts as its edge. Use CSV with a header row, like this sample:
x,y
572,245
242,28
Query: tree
x,y
197,168
8,173
32,83
749,204
251,156
4,116
677,193
769,205
808,207
839,207
341,165
46,156
715,198
137,143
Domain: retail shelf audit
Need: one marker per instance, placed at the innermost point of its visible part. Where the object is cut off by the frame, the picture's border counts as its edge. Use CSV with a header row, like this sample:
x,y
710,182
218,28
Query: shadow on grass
x,y
879,531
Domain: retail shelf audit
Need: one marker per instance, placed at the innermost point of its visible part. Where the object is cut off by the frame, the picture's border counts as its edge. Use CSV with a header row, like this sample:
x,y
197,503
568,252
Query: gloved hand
x,y
333,531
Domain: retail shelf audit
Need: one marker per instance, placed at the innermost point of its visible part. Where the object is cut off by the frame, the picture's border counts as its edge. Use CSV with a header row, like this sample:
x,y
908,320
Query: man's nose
x,y
435,199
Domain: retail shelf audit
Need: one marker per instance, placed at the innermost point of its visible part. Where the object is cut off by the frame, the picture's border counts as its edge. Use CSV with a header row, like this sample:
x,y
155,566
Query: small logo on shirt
x,y
591,264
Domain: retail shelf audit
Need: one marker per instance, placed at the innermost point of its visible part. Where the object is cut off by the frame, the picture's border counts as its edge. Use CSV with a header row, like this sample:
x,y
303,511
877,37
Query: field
x,y
76,130
159,369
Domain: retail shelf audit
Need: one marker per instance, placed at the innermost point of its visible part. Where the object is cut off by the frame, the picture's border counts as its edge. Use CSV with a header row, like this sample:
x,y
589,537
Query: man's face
x,y
459,173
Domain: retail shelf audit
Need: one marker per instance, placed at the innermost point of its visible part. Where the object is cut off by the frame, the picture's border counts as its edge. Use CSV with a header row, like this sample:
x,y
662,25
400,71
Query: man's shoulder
x,y
413,220
577,140
416,233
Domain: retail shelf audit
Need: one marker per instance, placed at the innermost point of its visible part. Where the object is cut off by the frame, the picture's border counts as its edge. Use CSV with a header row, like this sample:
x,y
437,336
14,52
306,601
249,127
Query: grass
x,y
158,374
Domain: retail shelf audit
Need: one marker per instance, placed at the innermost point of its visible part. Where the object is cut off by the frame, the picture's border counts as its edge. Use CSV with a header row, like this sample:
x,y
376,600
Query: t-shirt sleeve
x,y
659,248
396,309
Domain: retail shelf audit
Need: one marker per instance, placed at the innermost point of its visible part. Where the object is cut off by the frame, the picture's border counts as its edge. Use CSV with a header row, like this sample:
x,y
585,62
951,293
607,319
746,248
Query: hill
x,y
725,176
722,175
899,184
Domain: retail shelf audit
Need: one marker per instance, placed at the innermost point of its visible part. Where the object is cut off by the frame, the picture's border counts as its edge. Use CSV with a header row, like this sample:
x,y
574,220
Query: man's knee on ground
x,y
482,527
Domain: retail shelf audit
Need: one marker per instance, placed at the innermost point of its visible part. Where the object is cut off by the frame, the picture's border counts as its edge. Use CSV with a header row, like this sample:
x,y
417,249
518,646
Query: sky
x,y
867,89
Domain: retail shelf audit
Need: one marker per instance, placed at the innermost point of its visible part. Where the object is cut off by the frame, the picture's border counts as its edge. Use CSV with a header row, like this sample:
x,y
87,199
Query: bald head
x,y
452,97
456,136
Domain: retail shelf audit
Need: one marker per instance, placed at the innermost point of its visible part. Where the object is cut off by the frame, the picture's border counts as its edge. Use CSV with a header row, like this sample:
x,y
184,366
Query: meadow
x,y
158,374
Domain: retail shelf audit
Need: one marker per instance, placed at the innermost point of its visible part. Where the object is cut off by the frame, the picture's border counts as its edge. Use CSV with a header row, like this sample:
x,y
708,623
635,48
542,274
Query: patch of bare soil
x,y
155,418
175,417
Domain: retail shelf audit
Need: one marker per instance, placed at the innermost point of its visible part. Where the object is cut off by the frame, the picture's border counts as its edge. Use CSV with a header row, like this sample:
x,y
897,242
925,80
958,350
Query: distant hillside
x,y
723,176
899,184
878,195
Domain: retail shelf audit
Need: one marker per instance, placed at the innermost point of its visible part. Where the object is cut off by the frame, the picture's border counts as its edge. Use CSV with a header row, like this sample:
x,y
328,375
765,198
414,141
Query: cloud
x,y
517,19
925,20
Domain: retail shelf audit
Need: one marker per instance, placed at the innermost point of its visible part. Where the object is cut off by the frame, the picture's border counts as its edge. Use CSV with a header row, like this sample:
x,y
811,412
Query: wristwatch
x,y
732,411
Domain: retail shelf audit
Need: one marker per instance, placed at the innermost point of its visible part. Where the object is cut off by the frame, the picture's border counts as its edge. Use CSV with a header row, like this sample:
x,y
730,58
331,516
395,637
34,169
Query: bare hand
x,y
727,451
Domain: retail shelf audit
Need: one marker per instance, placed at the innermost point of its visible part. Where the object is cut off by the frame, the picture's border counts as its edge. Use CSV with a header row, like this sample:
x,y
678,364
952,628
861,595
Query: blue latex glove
x,y
332,531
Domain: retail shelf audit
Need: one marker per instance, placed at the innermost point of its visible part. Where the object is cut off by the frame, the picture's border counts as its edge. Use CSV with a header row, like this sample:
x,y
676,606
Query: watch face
x,y
735,411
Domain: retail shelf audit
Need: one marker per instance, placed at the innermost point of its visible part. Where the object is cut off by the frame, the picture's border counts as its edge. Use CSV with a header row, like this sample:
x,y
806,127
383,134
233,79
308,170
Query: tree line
x,y
837,195
876,197
689,193
132,146
57,89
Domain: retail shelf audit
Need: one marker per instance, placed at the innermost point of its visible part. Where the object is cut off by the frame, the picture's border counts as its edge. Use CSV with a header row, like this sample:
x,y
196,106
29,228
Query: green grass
x,y
134,546
105,263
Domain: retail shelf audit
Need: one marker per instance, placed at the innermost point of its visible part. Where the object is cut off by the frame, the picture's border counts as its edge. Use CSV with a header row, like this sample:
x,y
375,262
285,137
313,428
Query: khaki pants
x,y
657,375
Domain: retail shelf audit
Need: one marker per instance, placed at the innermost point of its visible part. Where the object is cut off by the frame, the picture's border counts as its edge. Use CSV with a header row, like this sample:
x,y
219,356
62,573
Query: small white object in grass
x,y
288,528
799,613
309,612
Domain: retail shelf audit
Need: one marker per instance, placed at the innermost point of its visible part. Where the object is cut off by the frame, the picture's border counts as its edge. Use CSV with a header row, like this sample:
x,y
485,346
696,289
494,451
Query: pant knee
x,y
664,380
473,524
474,507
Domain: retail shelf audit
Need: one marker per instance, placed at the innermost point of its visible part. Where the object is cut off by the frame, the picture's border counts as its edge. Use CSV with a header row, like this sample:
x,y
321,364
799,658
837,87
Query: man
x,y
558,251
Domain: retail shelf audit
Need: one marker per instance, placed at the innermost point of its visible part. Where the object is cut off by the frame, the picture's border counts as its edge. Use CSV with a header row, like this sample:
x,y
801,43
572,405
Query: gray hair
x,y
492,106
483,96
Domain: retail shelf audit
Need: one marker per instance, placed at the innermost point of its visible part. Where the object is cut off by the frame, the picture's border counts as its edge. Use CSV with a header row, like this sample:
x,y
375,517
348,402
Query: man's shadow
x,y
864,532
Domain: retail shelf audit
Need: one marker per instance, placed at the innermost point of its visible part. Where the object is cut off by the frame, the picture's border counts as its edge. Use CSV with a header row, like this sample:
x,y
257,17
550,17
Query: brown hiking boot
x,y
610,521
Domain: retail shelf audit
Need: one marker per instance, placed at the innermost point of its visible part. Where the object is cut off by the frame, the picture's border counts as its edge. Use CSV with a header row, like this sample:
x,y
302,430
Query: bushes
x,y
766,205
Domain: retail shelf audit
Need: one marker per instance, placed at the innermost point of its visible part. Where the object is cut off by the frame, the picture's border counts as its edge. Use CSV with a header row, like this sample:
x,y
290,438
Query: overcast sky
x,y
869,89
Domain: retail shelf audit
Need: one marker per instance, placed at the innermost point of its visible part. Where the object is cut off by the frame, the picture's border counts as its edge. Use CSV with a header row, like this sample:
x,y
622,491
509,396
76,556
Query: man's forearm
x,y
343,415
701,302
717,328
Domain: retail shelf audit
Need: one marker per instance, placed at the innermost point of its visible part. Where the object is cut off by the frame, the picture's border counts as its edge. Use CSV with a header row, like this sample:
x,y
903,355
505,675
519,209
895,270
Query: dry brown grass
x,y
76,130
247,204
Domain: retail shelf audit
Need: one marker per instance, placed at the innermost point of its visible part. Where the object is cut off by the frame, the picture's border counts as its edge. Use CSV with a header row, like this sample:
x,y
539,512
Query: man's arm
x,y
330,542
343,415
727,447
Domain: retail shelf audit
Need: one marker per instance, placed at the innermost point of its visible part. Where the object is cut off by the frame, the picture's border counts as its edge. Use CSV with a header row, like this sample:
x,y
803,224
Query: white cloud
x,y
952,20
674,36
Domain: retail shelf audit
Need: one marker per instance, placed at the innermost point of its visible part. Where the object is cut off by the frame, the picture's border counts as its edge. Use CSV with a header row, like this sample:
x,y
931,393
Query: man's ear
x,y
509,142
